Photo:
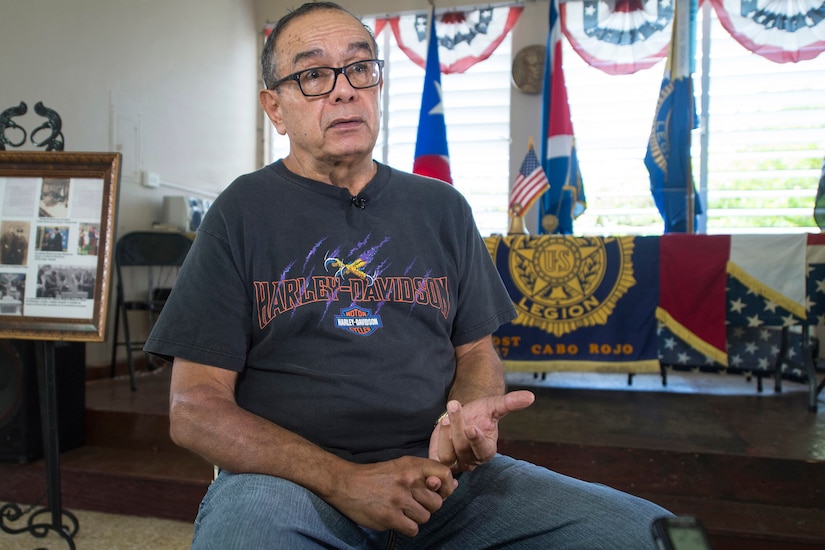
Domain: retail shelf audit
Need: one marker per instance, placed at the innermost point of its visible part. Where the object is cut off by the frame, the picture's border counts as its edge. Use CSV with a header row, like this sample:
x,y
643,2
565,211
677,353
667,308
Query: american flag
x,y
530,183
753,338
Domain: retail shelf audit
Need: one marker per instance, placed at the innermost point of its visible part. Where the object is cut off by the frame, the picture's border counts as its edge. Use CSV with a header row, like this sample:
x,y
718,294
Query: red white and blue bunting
x,y
784,31
625,36
464,37
618,36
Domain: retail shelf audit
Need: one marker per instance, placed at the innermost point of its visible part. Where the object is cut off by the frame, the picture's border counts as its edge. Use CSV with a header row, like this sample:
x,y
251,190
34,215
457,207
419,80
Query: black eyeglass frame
x,y
296,76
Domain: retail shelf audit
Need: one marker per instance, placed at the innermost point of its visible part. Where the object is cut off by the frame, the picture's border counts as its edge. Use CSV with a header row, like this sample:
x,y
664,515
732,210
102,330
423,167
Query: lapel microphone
x,y
359,201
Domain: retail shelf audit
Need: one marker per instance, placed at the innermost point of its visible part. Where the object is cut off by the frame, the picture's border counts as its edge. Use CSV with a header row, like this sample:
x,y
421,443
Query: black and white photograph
x,y
12,290
14,242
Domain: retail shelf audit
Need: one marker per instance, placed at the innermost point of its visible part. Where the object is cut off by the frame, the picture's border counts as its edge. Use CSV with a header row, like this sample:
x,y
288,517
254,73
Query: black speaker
x,y
21,438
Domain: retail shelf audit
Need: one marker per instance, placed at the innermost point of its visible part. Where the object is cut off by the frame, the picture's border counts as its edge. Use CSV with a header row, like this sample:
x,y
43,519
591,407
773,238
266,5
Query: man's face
x,y
342,125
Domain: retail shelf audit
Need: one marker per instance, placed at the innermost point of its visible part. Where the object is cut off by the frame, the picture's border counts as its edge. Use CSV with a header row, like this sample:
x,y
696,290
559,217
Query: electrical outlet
x,y
150,179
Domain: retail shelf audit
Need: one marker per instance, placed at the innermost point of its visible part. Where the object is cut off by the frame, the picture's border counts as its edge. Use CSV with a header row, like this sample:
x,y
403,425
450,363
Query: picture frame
x,y
57,225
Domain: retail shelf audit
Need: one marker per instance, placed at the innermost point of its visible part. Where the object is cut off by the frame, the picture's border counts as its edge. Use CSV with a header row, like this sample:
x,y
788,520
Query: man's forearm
x,y
239,441
479,372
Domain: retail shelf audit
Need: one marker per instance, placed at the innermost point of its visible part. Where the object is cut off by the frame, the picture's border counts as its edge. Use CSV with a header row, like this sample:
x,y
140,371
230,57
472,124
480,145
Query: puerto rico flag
x,y
565,198
431,155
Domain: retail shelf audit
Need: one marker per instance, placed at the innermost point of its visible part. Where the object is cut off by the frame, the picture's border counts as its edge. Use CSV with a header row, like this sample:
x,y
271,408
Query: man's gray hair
x,y
269,63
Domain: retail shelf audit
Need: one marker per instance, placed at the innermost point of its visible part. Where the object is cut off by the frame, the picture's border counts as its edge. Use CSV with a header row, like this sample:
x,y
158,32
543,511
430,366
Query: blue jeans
x,y
503,504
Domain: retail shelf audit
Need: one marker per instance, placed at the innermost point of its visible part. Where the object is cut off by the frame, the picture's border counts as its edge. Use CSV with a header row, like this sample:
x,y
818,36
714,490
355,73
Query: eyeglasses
x,y
321,80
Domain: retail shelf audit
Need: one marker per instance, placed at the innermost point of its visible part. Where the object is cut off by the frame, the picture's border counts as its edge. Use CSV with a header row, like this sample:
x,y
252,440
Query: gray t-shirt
x,y
341,314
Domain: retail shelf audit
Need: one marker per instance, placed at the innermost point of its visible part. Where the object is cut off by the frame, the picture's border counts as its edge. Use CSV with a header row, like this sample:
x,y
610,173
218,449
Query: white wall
x,y
172,84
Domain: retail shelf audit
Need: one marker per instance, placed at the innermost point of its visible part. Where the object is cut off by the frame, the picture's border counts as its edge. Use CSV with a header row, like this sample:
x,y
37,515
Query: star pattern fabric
x,y
816,294
750,309
752,352
754,334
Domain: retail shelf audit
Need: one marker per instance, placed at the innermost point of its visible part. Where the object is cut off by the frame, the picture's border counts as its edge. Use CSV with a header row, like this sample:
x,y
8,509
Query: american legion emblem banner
x,y
584,303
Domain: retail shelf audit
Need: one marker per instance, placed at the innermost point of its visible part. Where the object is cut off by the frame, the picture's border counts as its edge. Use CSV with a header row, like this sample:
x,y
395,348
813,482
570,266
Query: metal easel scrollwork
x,y
13,513
53,124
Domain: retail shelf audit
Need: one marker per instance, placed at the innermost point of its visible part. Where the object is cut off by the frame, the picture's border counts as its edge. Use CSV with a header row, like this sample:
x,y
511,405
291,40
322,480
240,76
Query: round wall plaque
x,y
528,69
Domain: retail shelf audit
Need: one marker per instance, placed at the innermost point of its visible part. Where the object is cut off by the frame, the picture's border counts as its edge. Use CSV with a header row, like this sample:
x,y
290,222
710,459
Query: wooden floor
x,y
750,465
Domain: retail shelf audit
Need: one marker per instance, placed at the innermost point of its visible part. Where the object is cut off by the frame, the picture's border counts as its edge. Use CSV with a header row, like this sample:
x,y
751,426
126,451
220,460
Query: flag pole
x,y
687,31
690,202
683,35
517,225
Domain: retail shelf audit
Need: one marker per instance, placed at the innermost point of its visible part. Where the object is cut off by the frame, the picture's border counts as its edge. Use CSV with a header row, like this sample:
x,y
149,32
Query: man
x,y
14,246
57,240
329,311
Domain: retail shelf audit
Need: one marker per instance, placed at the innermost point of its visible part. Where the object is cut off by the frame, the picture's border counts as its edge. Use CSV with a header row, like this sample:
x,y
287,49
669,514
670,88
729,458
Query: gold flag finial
x,y
517,225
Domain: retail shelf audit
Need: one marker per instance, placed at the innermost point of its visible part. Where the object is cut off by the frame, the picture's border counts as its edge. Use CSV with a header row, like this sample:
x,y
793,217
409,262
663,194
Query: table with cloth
x,y
641,304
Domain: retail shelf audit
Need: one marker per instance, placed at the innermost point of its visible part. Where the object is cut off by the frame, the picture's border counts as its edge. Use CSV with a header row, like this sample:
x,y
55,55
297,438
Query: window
x,y
477,115
757,167
764,150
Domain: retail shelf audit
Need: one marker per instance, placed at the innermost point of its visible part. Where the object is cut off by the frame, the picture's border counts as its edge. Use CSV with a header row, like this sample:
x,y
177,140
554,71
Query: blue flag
x,y
583,303
668,157
431,155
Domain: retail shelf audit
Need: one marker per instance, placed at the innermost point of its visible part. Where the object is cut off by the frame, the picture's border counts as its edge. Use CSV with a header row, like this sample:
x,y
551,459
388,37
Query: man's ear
x,y
271,102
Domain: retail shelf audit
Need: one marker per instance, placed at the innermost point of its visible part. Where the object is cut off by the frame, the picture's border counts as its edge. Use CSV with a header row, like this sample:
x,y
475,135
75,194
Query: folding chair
x,y
151,252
